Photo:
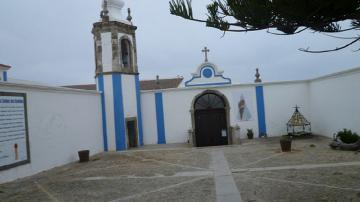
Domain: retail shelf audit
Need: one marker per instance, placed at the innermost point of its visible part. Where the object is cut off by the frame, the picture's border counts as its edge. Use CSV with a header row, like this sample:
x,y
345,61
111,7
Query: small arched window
x,y
209,101
126,55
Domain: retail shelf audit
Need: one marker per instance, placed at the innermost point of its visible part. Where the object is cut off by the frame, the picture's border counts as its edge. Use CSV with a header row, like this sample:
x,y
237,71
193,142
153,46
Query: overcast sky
x,y
50,41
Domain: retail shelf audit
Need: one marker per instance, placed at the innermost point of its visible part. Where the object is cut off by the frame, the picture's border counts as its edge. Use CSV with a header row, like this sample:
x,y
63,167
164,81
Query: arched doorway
x,y
210,119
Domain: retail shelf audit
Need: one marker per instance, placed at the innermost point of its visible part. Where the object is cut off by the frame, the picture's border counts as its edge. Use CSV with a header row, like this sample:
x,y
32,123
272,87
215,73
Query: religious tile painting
x,y
243,105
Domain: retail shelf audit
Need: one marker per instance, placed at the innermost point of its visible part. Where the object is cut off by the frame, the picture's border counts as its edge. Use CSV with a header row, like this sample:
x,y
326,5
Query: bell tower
x,y
117,77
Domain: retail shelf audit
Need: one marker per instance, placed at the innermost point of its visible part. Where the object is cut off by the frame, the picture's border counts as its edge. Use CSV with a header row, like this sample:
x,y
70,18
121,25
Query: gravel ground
x,y
182,173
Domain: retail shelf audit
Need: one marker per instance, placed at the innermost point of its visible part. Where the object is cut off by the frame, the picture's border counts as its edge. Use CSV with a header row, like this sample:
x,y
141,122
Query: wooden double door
x,y
211,127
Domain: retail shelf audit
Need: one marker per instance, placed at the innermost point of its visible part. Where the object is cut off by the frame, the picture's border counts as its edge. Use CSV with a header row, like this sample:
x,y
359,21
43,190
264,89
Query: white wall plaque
x,y
223,133
14,138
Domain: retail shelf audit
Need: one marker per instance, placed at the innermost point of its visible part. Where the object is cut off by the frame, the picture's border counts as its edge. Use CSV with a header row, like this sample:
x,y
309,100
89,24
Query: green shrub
x,y
347,136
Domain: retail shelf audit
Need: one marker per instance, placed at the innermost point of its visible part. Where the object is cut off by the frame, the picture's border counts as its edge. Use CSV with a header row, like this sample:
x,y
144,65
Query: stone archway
x,y
210,119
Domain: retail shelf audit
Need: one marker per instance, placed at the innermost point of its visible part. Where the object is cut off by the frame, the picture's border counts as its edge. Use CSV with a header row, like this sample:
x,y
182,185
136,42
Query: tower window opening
x,y
126,53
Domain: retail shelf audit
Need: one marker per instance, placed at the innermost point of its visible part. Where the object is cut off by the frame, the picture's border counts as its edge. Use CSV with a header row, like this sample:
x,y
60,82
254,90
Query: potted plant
x,y
285,142
250,134
84,156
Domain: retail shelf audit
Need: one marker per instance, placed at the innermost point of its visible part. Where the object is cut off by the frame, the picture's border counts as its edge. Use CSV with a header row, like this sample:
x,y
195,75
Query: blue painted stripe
x,y
103,110
261,110
5,76
120,138
139,114
160,118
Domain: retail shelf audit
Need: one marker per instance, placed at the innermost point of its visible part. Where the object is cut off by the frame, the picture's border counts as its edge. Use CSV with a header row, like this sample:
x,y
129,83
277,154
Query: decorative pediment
x,y
207,74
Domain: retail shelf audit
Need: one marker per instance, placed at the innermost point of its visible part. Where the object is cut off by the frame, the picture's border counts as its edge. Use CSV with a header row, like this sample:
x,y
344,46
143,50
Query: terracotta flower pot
x,y
285,145
84,156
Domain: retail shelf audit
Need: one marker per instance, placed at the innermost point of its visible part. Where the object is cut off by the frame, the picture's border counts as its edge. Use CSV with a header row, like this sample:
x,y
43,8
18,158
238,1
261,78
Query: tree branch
x,y
297,32
330,50
245,30
340,37
344,30
285,17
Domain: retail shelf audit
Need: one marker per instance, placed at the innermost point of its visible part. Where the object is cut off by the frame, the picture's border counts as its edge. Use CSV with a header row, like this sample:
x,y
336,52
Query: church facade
x,y
205,118
206,110
42,127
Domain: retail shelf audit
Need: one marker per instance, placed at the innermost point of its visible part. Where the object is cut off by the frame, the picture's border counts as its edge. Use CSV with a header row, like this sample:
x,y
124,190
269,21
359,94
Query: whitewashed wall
x,y
280,100
335,102
129,95
61,122
106,51
330,103
177,116
247,90
149,117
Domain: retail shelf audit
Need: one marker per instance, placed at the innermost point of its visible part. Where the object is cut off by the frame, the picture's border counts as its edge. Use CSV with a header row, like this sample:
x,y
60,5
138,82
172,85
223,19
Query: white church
x,y
42,127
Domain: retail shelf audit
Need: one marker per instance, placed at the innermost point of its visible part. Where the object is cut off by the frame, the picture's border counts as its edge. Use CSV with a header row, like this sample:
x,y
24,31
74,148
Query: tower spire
x,y
116,61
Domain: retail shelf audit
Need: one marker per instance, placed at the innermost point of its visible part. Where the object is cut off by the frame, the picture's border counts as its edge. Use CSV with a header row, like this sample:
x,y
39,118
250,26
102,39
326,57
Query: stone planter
x,y
346,147
84,156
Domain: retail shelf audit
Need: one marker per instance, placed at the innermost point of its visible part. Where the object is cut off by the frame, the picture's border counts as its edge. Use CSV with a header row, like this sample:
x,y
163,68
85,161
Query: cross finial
x,y
206,50
129,18
297,108
157,79
105,12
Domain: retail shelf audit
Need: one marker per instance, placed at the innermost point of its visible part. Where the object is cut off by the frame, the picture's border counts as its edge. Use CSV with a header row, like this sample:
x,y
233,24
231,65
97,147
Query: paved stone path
x,y
226,189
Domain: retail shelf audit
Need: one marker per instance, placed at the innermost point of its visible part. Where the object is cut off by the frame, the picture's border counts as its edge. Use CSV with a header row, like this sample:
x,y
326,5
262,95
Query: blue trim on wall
x,y
261,110
139,114
207,84
5,76
103,110
119,113
160,118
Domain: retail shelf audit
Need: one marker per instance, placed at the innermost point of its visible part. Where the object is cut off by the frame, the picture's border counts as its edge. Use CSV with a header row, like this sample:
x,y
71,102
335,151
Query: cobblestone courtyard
x,y
256,170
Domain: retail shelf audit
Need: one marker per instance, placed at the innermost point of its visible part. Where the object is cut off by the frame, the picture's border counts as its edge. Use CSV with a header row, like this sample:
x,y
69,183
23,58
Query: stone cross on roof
x,y
206,50
297,108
